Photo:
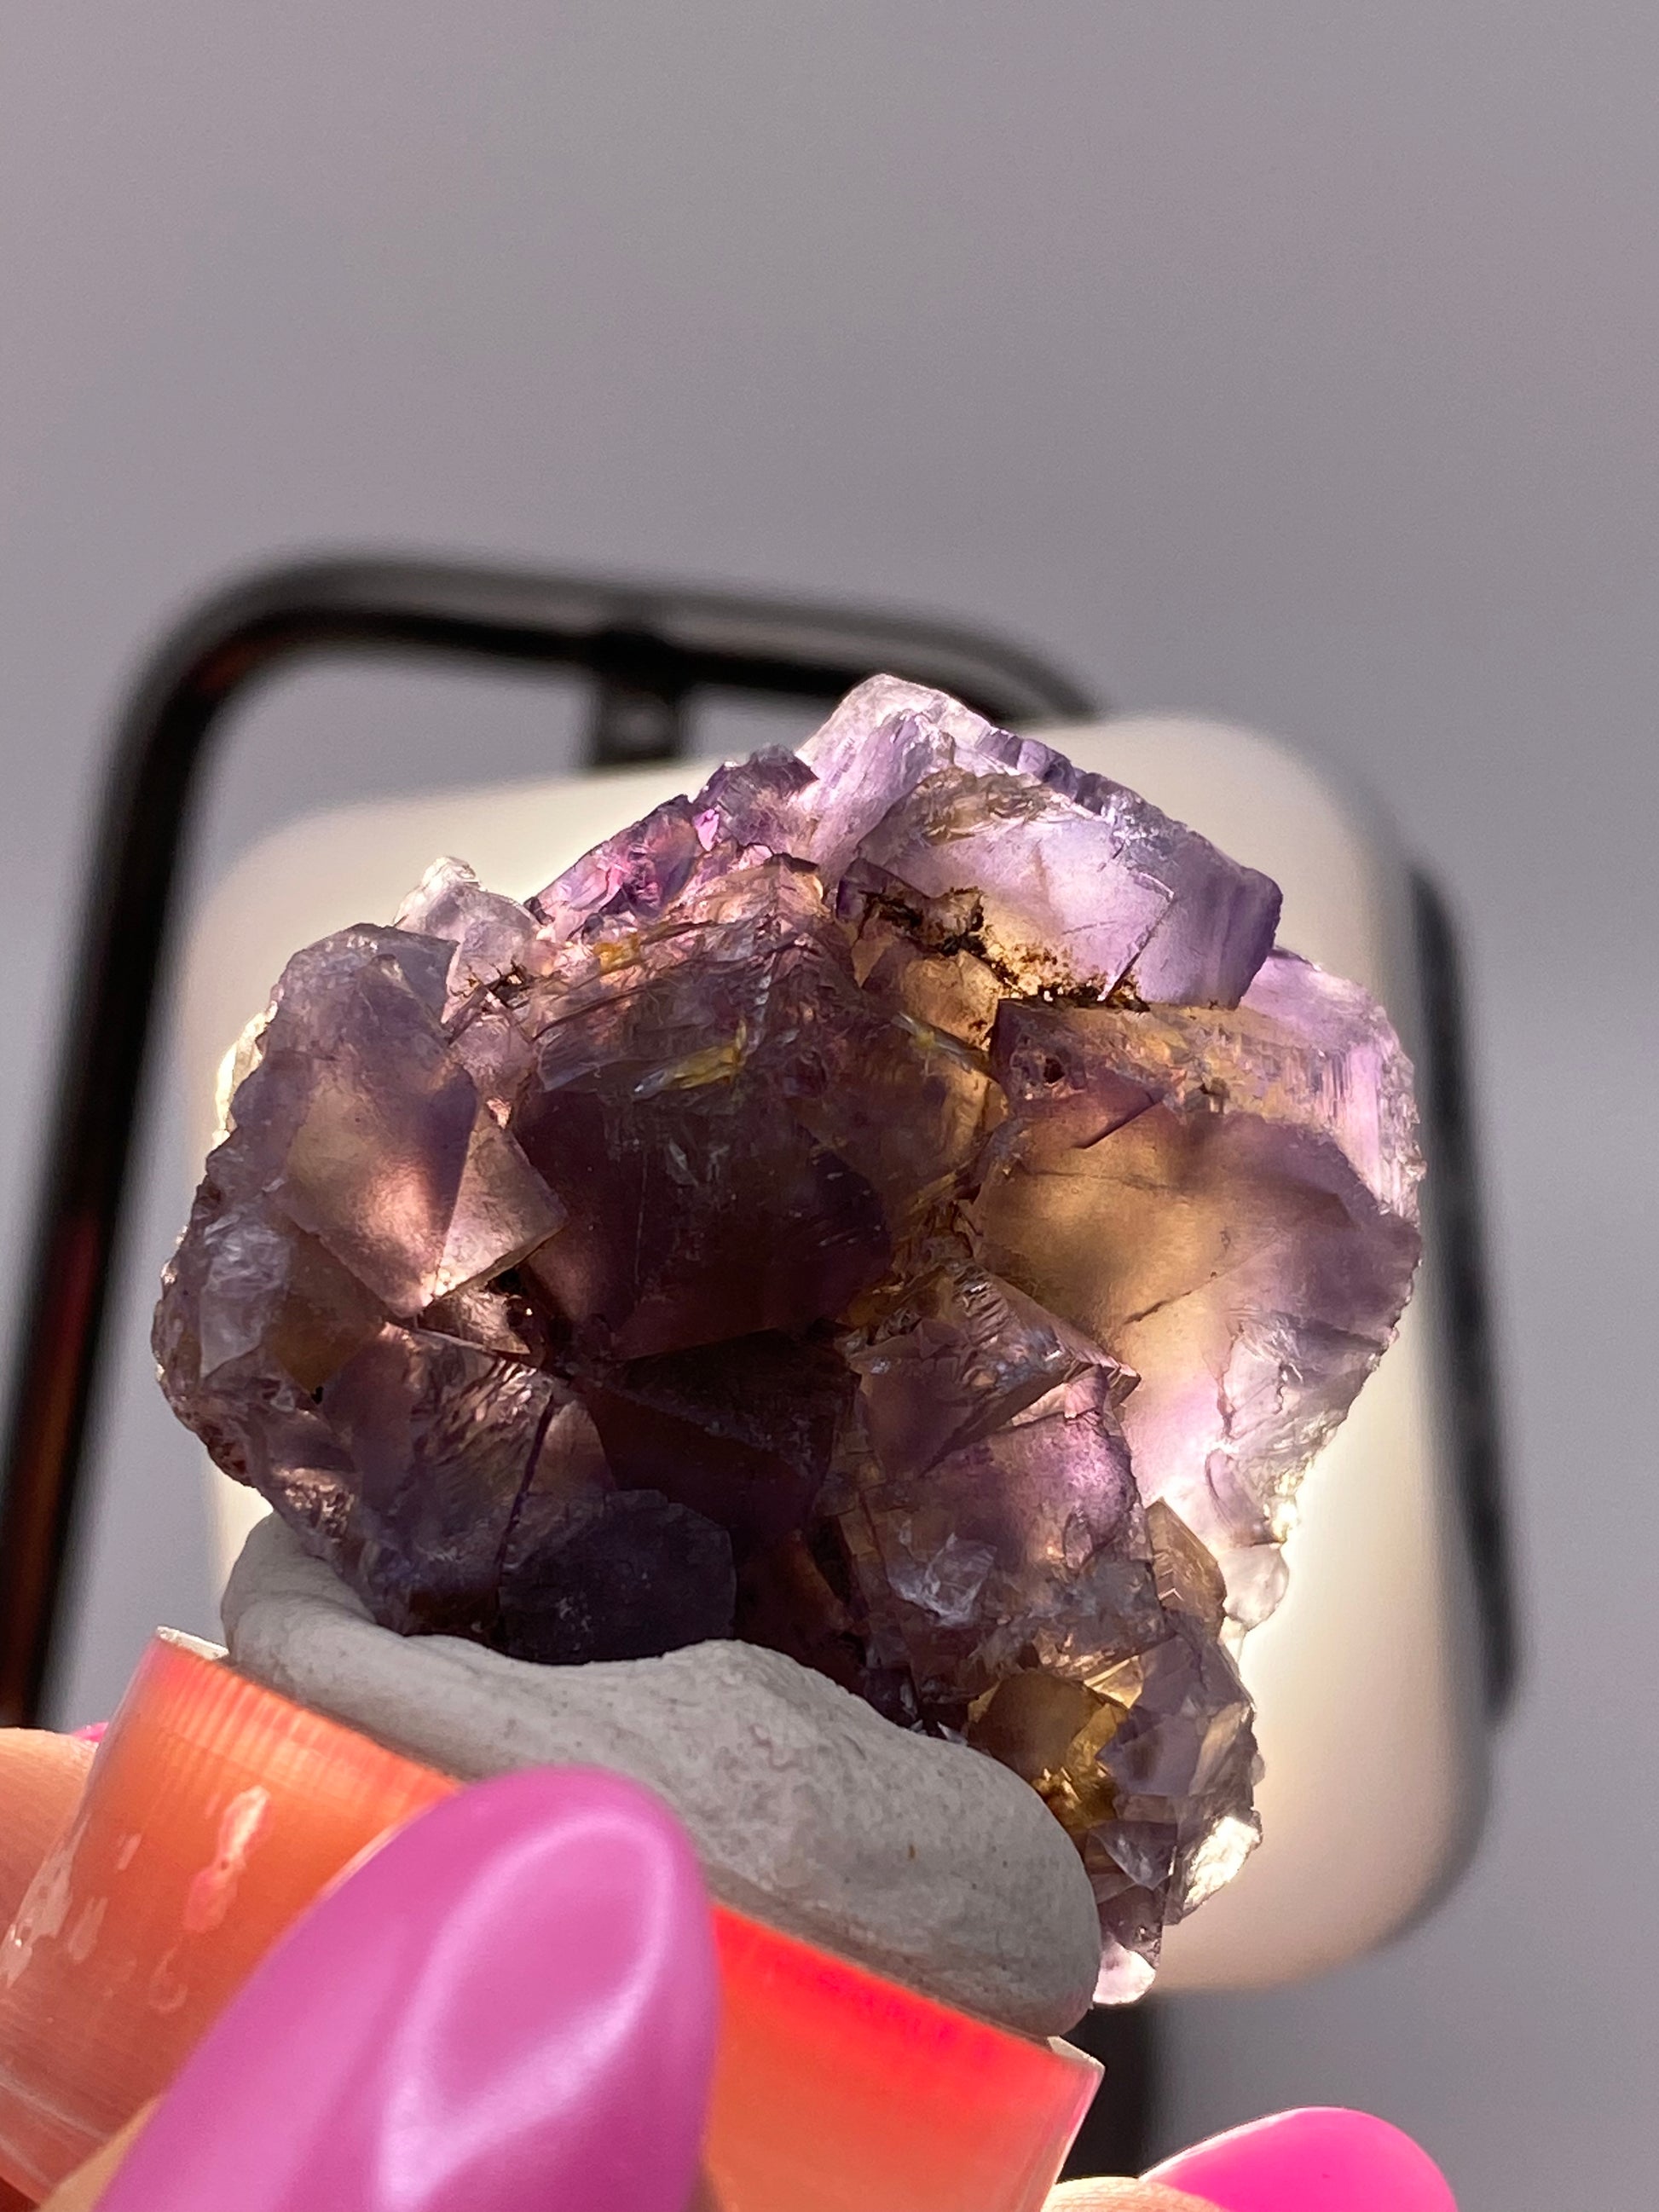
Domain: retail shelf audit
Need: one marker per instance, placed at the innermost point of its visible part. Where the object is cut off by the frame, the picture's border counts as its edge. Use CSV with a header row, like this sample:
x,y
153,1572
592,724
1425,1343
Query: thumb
x,y
511,2004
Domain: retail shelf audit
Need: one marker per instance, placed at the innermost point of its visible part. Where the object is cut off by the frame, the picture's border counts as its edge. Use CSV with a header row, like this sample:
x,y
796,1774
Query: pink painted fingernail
x,y
1321,2159
512,2005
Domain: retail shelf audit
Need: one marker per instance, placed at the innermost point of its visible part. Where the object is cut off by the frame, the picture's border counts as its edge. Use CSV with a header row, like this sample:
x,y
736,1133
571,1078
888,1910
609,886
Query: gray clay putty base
x,y
919,1859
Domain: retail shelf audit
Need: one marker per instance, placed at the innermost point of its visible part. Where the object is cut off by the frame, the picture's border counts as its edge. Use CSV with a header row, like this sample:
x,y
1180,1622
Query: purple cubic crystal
x,y
895,1206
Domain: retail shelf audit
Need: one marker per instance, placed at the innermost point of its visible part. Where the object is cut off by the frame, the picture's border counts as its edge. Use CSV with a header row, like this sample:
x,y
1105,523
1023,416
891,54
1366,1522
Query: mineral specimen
x,y
896,1207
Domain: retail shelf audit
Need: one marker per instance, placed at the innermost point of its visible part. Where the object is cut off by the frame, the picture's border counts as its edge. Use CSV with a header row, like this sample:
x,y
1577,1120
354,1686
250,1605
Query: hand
x,y
513,2002
1107,2196
1319,2159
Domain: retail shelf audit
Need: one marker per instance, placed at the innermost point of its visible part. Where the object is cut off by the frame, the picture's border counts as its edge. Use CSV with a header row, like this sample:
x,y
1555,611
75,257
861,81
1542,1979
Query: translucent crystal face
x,y
895,1206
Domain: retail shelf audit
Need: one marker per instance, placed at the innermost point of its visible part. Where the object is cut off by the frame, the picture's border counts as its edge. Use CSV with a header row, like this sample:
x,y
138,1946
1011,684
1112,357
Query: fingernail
x,y
511,2005
1320,2160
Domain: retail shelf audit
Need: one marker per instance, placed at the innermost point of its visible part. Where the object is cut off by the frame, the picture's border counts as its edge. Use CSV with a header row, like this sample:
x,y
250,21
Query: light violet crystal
x,y
896,1207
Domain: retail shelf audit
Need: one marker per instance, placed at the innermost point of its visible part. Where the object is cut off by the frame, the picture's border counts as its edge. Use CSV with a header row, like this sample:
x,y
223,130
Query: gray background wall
x,y
1286,361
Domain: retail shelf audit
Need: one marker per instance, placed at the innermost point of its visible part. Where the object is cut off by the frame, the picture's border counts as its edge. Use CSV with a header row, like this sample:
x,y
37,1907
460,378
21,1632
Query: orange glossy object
x,y
215,1813
42,1778
217,1810
835,2091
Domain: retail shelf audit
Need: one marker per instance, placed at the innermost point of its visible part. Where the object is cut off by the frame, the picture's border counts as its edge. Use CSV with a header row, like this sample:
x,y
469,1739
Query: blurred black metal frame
x,y
651,650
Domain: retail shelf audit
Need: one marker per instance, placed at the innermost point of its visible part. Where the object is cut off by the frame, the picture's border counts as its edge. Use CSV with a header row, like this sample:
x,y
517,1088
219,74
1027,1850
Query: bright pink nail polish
x,y
1320,2160
510,2006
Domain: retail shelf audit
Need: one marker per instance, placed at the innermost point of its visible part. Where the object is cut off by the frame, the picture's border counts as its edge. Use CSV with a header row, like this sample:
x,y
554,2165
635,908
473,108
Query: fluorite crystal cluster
x,y
896,1207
